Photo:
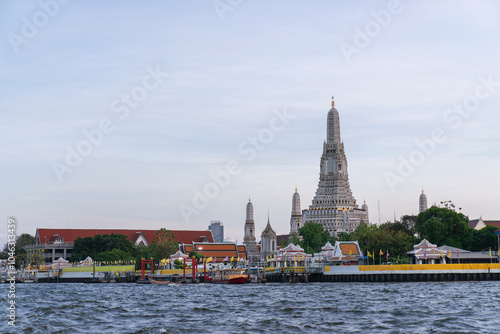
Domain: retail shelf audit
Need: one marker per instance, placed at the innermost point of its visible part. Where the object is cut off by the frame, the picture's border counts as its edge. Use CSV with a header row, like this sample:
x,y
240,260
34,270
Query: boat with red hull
x,y
229,276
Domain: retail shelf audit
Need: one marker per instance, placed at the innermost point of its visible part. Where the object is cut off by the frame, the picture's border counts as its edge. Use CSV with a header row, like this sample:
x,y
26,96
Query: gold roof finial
x,y
333,102
249,199
422,190
295,188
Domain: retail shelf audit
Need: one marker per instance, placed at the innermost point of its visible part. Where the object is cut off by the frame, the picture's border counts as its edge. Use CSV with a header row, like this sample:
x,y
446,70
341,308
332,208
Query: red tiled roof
x,y
44,235
214,247
495,223
349,248
242,250
218,251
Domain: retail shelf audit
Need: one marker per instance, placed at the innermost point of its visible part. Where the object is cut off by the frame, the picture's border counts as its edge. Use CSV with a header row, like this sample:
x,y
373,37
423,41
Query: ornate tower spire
x,y
333,205
249,238
333,125
333,188
296,218
422,202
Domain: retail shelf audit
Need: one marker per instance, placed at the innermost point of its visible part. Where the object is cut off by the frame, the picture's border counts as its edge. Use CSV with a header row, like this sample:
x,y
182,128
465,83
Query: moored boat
x,y
229,276
158,282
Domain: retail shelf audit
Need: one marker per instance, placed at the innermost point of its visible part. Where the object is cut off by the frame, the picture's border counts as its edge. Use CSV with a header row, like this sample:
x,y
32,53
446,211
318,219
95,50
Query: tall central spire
x,y
333,125
333,189
333,205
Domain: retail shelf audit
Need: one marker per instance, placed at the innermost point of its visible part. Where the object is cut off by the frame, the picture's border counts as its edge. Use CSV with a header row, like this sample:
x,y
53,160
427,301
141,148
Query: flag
x,y
490,252
238,259
373,255
449,254
442,253
425,254
387,256
232,258
369,255
434,251
350,252
225,259
267,258
381,253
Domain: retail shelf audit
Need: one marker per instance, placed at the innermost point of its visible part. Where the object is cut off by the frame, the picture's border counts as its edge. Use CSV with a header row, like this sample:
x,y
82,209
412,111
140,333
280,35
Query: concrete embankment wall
x,y
395,273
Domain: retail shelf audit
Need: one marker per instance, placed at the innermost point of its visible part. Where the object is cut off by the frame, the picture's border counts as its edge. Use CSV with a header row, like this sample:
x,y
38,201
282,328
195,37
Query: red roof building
x,y
55,243
68,236
217,251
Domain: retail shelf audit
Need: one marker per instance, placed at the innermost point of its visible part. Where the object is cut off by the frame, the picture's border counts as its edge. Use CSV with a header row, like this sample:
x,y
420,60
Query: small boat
x,y
158,282
229,276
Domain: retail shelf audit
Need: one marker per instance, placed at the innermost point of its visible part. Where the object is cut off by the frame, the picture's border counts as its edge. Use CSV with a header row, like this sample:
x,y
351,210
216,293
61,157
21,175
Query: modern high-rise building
x,y
422,202
217,229
249,238
333,205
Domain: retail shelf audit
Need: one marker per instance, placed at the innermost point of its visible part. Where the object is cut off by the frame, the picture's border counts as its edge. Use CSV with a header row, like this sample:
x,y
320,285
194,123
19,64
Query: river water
x,y
447,307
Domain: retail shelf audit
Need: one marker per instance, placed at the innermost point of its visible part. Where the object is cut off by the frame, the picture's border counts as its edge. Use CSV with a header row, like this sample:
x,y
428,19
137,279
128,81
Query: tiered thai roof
x,y
217,251
292,252
345,251
426,250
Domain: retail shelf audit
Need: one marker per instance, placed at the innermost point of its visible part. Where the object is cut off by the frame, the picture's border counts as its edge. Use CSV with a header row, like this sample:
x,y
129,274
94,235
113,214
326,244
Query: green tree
x,y
21,254
389,237
93,246
196,255
313,237
484,239
444,226
293,239
163,244
115,254
179,264
408,221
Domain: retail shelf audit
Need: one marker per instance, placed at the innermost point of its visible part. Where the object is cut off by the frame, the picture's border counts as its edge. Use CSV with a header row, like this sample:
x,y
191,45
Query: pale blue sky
x,y
226,79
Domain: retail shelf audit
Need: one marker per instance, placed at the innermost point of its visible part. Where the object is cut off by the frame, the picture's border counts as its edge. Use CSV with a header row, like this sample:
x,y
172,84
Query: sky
x,y
143,115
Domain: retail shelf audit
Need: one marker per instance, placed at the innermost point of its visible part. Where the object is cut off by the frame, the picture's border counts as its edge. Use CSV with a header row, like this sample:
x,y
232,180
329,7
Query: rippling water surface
x,y
457,307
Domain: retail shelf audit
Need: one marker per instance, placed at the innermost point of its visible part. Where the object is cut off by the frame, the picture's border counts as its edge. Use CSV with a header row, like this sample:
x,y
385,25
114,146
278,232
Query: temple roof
x,y
424,244
291,248
268,231
328,246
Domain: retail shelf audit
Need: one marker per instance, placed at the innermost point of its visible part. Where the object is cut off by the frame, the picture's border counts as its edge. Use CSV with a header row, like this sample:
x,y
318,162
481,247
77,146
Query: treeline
x,y
21,254
444,226
116,247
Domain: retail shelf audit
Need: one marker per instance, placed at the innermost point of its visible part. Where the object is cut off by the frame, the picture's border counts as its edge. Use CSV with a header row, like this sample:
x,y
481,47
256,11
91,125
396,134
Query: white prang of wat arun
x,y
333,205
